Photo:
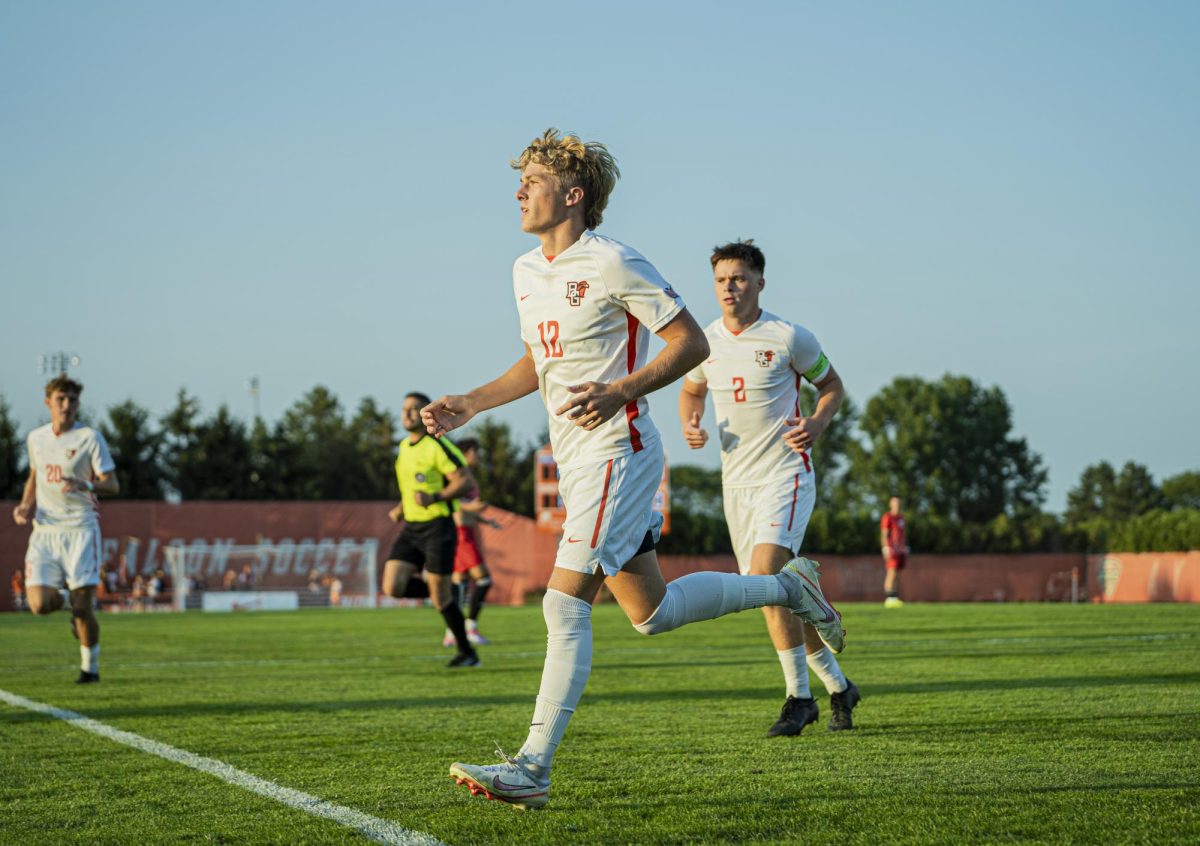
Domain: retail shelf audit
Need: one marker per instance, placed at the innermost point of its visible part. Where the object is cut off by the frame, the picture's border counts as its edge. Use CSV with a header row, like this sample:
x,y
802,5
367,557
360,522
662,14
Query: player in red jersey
x,y
472,581
893,542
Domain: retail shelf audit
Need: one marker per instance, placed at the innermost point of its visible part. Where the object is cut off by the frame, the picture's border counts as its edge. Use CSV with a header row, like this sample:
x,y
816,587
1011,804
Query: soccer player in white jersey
x,y
69,464
753,370
587,304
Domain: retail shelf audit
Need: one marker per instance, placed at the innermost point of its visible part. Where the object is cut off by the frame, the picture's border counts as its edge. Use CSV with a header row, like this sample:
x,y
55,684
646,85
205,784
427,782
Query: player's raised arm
x,y
595,402
451,412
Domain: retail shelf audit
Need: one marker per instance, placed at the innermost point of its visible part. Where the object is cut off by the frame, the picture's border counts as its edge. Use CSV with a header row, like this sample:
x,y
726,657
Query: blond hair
x,y
577,164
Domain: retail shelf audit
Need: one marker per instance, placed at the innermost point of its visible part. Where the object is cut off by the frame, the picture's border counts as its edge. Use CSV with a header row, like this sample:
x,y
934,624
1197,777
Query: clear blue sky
x,y
196,193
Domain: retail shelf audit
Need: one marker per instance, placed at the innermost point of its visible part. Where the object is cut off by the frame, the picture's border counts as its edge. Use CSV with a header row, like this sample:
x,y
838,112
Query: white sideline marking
x,y
373,828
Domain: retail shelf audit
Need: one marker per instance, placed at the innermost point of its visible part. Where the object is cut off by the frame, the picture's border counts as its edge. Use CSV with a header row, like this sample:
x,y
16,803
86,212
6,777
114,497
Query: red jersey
x,y
897,535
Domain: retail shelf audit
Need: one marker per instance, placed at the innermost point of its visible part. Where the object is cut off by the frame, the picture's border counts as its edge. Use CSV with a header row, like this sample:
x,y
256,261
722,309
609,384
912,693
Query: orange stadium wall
x,y
521,557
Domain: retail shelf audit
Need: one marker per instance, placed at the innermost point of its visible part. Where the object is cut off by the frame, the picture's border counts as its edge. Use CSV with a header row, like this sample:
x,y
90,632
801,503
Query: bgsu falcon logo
x,y
576,291
71,454
764,357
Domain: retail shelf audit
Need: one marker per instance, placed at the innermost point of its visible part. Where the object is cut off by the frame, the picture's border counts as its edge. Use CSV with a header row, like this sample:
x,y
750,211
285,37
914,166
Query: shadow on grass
x,y
690,694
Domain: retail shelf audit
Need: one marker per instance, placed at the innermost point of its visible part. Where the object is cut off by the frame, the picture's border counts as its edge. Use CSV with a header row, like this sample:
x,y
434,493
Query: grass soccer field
x,y
979,723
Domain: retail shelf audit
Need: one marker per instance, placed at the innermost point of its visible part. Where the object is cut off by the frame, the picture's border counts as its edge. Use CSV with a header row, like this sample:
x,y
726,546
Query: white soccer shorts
x,y
59,555
609,510
777,513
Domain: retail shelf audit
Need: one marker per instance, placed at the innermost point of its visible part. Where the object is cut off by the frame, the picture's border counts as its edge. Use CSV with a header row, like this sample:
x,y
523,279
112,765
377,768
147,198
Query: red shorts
x,y
468,554
896,562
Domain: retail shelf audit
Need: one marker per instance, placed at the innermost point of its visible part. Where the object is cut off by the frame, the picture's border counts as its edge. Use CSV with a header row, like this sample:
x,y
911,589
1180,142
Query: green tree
x,y
373,431
1182,490
947,448
323,451
137,449
13,470
272,460
1104,493
505,471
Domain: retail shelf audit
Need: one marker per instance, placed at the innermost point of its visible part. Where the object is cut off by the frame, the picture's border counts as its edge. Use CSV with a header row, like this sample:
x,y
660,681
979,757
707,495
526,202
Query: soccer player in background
x,y
470,571
431,473
753,370
69,464
893,543
587,304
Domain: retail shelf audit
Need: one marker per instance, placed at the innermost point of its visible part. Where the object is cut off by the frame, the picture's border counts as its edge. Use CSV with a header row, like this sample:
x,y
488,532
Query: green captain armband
x,y
818,369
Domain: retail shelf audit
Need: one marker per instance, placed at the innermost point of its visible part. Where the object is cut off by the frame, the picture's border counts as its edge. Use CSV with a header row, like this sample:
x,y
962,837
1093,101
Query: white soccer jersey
x,y
754,378
587,316
79,453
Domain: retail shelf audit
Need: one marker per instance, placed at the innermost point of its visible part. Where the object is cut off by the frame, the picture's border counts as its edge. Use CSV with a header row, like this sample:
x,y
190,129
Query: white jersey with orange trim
x,y
78,453
754,378
587,315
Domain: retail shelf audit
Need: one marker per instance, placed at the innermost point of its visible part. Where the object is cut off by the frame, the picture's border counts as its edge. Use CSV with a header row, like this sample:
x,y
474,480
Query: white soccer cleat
x,y
510,782
803,586
476,638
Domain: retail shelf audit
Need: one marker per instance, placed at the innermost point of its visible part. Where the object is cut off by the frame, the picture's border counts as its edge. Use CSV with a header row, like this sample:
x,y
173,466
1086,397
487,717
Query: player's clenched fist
x,y
592,404
805,433
695,436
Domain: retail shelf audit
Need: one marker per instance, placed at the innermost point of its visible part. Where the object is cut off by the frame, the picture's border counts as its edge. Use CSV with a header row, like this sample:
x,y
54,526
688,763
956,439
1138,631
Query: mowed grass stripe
x,y
373,828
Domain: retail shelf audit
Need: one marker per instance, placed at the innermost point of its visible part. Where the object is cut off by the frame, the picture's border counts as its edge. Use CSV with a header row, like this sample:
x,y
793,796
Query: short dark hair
x,y
467,444
741,250
419,397
63,382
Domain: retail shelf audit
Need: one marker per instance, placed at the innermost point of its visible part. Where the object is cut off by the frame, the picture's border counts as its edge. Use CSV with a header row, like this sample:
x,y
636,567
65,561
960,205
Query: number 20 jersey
x,y
78,453
754,378
587,316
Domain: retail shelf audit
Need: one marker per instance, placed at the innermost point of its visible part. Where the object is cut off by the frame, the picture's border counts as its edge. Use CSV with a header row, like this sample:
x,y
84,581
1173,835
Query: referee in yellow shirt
x,y
432,473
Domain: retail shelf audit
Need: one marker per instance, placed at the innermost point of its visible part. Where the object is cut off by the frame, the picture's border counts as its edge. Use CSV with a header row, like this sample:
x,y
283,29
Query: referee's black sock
x,y
453,616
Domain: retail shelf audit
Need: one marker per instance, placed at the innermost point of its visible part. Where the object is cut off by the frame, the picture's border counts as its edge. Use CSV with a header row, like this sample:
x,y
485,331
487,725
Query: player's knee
x,y
564,613
40,606
664,618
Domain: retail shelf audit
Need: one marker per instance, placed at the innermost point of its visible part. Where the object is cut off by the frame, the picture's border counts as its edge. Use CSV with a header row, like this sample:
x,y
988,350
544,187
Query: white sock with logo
x,y
564,675
795,672
89,658
826,667
707,595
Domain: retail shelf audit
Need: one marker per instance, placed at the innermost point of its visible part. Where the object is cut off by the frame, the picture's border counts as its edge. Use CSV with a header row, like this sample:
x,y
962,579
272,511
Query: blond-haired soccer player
x,y
69,464
753,370
587,304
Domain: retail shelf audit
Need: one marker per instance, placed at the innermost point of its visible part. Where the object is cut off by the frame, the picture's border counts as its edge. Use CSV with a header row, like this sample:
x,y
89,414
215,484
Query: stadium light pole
x,y
252,388
57,362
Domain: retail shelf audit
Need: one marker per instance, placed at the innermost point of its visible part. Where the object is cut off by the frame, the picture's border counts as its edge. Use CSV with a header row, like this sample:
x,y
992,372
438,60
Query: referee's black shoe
x,y
796,714
87,678
465,659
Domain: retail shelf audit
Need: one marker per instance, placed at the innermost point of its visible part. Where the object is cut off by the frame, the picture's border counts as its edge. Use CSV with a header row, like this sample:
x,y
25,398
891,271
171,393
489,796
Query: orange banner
x,y
1145,577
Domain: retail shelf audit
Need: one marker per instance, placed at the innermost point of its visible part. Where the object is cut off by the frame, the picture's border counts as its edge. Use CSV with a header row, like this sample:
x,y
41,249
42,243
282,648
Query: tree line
x,y
946,447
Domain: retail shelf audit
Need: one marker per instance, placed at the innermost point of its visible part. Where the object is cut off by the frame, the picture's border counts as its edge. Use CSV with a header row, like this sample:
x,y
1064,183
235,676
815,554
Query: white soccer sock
x,y
708,595
795,672
826,667
564,675
89,658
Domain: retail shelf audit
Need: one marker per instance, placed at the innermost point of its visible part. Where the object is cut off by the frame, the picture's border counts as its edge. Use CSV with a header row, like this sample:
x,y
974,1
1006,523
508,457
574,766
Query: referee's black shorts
x,y
430,545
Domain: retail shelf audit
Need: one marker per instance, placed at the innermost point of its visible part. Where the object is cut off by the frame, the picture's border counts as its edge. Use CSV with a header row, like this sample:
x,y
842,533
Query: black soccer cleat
x,y
465,659
87,678
796,714
840,706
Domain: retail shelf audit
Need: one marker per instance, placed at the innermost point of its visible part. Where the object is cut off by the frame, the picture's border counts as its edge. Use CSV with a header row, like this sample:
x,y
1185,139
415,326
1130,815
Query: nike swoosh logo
x,y
525,297
710,361
500,785
574,540
774,524
828,611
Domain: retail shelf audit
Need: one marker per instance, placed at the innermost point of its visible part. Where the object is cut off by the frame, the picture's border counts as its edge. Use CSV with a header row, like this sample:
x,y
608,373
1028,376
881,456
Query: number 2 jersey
x,y
78,453
587,316
754,378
